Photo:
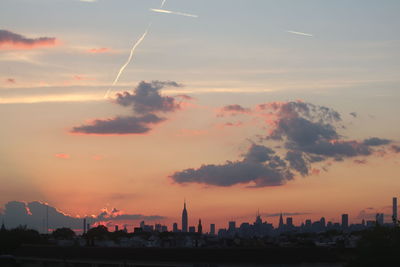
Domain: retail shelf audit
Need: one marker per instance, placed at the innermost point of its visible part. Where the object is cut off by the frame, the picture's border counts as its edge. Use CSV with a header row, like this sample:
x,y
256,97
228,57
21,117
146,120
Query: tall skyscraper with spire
x,y
184,218
394,215
281,221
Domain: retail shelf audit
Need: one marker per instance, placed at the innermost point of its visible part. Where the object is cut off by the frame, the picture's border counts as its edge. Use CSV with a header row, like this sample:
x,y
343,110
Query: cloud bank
x,y
33,215
304,134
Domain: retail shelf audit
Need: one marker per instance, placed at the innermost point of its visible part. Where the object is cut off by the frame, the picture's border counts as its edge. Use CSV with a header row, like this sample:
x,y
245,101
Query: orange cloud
x,y
97,157
82,78
10,40
101,50
62,156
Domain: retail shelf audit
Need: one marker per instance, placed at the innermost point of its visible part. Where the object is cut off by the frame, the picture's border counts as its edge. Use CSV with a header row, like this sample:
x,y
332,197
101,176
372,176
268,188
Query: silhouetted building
x,y
322,221
184,218
212,229
394,215
199,227
281,221
84,225
345,221
175,228
289,222
192,229
116,228
380,219
232,226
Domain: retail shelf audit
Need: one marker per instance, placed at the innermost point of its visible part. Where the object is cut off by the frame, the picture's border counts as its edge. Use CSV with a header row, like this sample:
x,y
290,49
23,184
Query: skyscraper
x,y
200,228
345,221
212,229
394,216
175,228
281,221
184,219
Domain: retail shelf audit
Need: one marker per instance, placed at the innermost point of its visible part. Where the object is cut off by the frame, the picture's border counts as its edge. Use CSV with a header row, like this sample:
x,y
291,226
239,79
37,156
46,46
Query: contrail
x,y
301,33
129,59
173,12
131,55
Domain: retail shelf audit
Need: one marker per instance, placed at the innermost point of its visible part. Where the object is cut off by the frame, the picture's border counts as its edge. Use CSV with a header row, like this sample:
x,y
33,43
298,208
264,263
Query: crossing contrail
x,y
173,12
136,44
301,33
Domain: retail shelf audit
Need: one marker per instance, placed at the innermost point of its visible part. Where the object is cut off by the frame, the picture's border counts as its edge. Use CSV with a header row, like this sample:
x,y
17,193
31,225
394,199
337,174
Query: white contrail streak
x,y
129,59
173,12
301,33
131,54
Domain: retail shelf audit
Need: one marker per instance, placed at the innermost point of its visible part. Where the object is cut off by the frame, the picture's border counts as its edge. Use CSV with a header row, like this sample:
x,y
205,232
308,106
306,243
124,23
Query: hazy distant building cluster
x,y
260,228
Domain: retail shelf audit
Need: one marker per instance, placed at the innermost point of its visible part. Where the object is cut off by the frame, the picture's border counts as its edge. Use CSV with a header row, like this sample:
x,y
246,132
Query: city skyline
x,y
117,220
123,108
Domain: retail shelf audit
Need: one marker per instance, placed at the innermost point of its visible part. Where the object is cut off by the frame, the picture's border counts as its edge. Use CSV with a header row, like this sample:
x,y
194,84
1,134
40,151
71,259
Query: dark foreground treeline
x,y
379,246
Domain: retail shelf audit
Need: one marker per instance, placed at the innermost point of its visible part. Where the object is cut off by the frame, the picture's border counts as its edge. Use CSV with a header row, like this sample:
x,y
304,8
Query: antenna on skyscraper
x,y
47,218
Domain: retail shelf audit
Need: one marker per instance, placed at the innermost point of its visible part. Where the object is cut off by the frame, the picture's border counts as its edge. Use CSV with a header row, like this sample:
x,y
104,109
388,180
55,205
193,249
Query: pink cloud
x,y
62,156
101,50
82,78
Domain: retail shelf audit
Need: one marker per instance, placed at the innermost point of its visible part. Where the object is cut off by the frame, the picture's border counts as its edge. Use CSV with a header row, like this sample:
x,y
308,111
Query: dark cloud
x,y
146,102
375,141
235,108
297,162
306,133
260,166
232,110
146,98
120,125
395,148
354,114
12,40
312,129
33,214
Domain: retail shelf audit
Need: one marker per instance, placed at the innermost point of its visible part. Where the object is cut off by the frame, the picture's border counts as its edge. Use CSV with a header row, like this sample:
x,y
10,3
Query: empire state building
x,y
184,219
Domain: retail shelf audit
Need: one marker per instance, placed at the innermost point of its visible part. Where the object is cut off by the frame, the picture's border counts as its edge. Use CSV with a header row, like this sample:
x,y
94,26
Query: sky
x,y
277,106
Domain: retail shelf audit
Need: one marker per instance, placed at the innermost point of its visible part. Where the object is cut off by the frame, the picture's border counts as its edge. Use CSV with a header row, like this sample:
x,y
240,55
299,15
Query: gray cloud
x,y
306,133
14,40
375,141
235,108
145,101
395,148
259,166
297,162
120,125
33,214
354,114
146,98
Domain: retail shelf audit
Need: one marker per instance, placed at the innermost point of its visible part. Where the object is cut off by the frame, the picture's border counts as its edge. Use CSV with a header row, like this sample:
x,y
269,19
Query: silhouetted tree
x,y
63,233
97,233
14,238
378,247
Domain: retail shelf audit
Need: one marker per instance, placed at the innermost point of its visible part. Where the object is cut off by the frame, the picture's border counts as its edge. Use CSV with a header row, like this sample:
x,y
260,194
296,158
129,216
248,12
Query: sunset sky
x,y
269,105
